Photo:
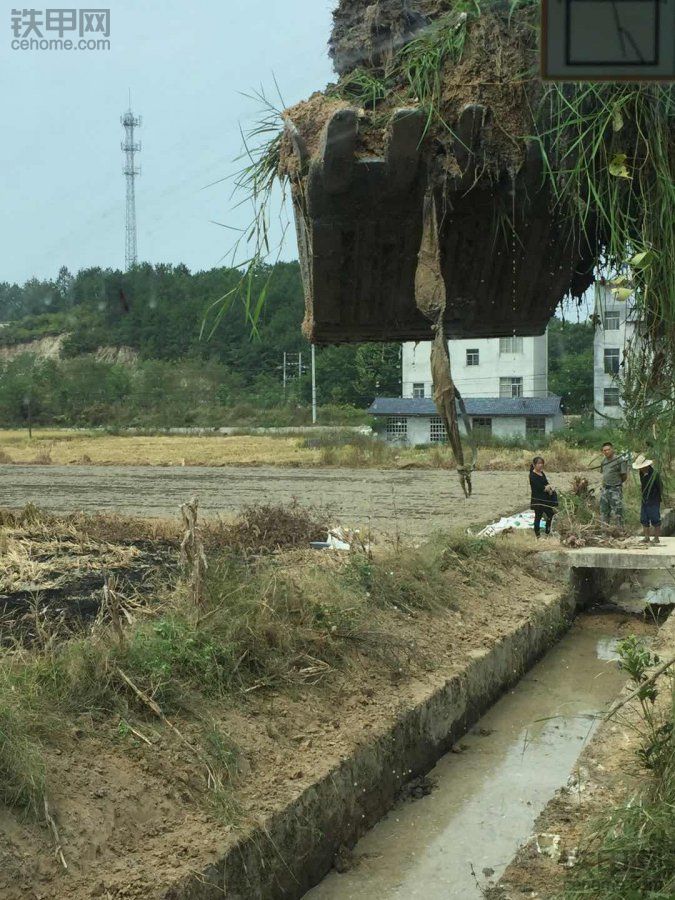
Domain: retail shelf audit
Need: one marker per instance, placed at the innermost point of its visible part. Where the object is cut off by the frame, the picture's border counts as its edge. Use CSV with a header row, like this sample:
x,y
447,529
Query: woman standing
x,y
543,497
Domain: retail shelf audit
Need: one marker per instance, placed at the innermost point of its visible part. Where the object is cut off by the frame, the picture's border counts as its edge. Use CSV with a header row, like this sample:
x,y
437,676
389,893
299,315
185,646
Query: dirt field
x,y
410,502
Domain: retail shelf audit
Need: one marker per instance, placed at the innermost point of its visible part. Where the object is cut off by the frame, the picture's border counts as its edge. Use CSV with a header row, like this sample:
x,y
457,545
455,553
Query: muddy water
x,y
487,797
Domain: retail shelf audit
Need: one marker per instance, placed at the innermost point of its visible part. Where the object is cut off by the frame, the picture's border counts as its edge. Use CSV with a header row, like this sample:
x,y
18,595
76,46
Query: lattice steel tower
x,y
131,147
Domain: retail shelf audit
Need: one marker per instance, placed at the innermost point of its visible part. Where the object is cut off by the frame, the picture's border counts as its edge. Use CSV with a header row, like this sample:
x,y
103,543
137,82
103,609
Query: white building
x,y
415,421
484,367
614,329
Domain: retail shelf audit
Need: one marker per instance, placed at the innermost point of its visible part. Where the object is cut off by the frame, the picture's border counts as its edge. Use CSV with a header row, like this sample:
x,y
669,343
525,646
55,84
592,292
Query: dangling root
x,y
446,397
430,298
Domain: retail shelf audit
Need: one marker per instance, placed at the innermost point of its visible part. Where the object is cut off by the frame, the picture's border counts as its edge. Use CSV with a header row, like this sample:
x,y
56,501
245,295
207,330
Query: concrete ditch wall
x,y
295,848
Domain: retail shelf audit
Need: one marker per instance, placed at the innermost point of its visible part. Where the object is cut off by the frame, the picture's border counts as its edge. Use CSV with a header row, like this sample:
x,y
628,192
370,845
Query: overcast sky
x,y
187,65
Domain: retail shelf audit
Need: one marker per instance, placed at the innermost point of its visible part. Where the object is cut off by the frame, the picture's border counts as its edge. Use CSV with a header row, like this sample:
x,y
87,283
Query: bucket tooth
x,y
337,150
298,143
406,129
532,170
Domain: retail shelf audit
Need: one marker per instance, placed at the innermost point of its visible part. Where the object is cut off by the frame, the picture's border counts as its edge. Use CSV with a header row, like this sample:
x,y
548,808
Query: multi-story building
x,y
486,367
614,330
504,382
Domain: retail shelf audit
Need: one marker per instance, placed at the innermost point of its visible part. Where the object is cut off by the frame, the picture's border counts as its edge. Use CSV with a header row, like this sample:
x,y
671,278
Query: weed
x,y
363,87
42,458
630,852
268,527
22,770
635,659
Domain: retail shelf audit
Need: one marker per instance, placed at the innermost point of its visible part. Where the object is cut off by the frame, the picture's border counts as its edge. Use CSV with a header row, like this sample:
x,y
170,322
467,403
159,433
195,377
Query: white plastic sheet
x,y
518,521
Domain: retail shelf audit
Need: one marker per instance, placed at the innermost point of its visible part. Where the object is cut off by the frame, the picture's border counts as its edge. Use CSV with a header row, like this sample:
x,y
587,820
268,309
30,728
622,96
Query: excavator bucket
x,y
507,259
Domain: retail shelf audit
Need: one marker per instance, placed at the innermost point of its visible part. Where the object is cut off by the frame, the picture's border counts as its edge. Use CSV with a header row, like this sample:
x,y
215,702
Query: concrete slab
x,y
633,556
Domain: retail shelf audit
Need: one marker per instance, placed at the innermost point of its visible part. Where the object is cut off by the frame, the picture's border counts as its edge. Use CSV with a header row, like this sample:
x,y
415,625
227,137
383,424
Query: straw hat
x,y
641,462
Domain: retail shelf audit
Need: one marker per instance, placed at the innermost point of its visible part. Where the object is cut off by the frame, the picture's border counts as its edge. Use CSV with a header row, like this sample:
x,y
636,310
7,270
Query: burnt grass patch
x,y
54,570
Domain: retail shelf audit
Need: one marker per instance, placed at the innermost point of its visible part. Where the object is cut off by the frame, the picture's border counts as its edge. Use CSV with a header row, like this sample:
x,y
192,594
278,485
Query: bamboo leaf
x,y
617,166
642,260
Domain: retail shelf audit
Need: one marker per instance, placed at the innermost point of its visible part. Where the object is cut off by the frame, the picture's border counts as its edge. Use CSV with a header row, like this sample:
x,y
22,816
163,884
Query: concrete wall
x,y
502,427
482,380
555,423
604,339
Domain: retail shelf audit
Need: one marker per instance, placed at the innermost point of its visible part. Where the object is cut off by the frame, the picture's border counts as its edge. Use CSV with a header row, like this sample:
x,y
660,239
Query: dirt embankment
x,y
44,348
51,347
128,797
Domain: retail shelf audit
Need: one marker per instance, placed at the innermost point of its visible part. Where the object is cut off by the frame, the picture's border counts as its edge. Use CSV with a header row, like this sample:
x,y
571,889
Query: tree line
x,y
198,358
193,366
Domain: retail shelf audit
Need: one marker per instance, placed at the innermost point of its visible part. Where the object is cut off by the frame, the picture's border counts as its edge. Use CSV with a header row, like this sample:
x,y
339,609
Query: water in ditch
x,y
486,797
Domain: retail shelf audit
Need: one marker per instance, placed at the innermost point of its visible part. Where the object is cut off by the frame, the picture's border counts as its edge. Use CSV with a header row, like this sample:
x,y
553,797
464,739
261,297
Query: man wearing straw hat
x,y
650,509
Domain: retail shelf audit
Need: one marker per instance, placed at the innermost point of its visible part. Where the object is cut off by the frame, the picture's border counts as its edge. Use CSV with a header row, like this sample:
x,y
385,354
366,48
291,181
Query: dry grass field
x,y
64,447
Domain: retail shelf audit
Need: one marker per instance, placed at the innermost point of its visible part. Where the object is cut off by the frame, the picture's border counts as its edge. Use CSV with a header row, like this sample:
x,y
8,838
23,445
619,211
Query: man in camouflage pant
x,y
614,472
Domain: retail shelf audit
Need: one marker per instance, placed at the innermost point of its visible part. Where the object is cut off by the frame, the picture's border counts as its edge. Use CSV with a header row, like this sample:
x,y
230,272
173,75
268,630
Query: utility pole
x,y
293,367
313,385
131,147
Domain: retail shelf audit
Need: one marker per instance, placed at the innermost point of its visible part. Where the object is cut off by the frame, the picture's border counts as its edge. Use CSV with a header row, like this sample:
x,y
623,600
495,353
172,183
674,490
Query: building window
x,y
535,427
482,426
511,345
611,397
397,428
472,357
612,361
418,390
612,320
510,387
437,432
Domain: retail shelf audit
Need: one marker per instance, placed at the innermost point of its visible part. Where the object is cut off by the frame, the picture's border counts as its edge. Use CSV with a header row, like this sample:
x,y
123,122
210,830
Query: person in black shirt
x,y
652,494
543,497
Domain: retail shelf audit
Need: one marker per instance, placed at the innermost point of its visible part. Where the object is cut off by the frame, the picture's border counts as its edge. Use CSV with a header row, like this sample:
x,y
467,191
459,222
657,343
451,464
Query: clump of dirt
x,y
496,69
416,789
578,520
368,33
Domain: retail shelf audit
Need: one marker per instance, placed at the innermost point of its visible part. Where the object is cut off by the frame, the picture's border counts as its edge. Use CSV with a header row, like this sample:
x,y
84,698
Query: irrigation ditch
x,y
290,852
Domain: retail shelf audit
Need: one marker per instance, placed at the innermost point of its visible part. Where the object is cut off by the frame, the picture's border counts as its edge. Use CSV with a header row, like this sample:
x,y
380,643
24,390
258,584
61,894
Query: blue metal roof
x,y
475,406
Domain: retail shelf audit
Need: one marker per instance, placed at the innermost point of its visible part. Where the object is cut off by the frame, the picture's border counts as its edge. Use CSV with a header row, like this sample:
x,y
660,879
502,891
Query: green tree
x,y
570,355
